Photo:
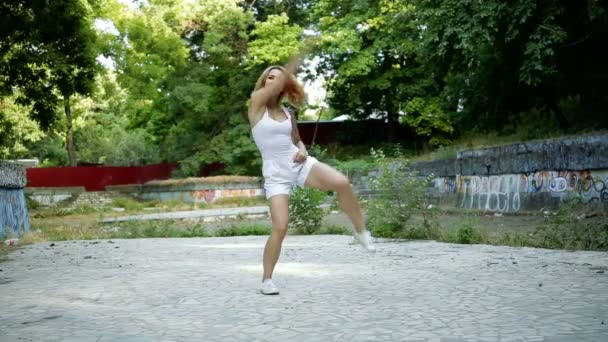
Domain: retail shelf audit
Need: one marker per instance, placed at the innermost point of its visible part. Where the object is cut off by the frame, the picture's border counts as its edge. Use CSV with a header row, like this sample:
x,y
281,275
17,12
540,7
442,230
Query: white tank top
x,y
273,138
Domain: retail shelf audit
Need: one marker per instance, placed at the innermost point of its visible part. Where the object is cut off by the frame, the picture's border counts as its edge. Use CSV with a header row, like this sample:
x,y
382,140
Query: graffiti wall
x,y
13,209
200,196
513,192
211,195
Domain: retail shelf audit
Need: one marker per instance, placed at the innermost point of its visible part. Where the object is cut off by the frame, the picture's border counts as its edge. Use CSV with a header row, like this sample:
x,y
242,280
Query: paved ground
x,y
206,289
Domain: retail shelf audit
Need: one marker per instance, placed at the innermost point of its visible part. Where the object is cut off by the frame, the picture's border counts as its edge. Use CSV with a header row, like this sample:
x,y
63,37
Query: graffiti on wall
x,y
13,212
492,193
211,195
505,193
445,184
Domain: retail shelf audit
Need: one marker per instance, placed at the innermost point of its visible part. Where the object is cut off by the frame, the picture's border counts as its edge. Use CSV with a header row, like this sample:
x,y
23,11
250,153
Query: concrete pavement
x,y
206,289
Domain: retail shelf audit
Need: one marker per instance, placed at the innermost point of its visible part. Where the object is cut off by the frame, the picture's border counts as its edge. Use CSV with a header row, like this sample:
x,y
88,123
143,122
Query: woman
x,y
286,162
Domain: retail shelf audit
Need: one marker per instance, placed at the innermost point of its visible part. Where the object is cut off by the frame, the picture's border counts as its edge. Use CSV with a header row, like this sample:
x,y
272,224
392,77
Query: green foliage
x,y
515,239
206,102
497,59
318,152
244,230
64,63
31,203
465,231
274,41
103,133
572,226
399,197
305,215
296,10
60,212
17,129
428,119
48,54
156,229
127,203
145,50
354,166
50,150
181,72
371,50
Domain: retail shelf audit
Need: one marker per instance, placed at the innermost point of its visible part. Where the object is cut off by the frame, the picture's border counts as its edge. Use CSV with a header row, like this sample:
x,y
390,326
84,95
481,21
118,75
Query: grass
x,y
244,230
149,229
573,227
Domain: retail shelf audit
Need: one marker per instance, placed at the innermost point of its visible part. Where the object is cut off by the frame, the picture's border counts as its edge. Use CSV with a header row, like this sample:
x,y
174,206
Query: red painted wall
x,y
95,178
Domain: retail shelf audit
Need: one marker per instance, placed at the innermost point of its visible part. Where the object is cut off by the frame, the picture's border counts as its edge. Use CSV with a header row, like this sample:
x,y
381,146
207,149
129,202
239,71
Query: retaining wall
x,y
189,191
519,177
192,192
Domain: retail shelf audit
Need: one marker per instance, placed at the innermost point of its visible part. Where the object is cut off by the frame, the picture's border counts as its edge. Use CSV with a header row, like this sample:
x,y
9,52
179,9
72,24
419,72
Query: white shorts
x,y
280,175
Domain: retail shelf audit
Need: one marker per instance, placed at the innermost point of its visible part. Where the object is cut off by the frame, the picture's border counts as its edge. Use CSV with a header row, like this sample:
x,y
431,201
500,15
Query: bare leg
x,y
324,177
279,215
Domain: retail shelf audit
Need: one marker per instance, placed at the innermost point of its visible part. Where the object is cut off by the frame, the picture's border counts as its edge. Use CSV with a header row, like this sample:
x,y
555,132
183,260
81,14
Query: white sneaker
x,y
269,288
366,241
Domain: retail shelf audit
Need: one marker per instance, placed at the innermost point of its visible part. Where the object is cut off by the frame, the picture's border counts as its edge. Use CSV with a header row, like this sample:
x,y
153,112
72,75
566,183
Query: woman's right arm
x,y
260,98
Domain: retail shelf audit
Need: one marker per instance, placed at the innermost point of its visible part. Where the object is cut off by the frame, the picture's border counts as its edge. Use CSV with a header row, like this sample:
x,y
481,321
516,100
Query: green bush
x,y
574,226
466,232
399,196
305,215
318,152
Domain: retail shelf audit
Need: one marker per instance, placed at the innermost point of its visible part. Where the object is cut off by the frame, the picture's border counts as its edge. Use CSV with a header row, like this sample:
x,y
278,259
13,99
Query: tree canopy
x,y
116,83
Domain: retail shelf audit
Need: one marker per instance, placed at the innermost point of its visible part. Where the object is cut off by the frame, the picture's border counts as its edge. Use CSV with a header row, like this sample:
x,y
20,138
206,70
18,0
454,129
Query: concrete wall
x,y
51,197
531,191
533,175
165,191
519,177
192,192
13,208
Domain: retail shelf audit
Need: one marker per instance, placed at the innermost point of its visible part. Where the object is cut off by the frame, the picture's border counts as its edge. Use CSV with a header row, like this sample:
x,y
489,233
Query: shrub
x,y
572,226
399,196
305,215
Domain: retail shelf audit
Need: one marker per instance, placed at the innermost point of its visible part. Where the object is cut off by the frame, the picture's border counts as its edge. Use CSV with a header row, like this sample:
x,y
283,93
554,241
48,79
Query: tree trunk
x,y
314,135
69,141
392,123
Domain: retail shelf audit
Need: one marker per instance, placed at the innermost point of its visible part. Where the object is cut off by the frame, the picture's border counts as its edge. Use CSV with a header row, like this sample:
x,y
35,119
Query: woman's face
x,y
273,75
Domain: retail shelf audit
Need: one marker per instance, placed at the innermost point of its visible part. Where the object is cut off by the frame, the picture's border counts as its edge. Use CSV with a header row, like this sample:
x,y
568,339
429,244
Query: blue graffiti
x,y
13,212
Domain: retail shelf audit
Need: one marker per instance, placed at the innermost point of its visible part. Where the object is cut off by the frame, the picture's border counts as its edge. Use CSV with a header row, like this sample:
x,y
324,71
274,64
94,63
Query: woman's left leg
x,y
324,177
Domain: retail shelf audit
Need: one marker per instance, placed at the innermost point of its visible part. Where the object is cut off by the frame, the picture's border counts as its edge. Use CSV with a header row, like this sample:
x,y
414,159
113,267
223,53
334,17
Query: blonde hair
x,y
293,90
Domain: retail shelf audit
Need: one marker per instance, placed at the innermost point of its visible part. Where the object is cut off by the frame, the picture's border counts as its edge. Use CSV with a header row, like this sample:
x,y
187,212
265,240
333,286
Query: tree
x,y
47,53
370,51
295,10
205,99
145,48
17,129
497,59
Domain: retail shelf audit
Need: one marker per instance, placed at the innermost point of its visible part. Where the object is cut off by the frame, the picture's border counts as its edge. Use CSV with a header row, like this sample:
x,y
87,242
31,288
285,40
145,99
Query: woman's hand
x,y
300,156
